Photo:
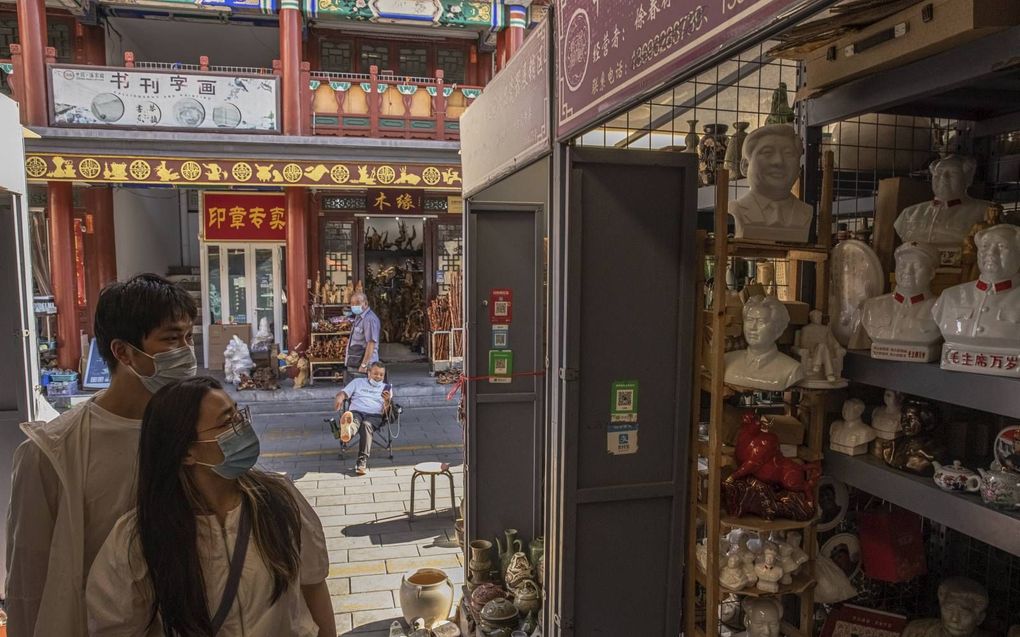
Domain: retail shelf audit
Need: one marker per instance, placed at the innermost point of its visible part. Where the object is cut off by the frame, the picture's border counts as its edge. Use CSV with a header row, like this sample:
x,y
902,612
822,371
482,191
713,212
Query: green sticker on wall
x,y
624,401
501,366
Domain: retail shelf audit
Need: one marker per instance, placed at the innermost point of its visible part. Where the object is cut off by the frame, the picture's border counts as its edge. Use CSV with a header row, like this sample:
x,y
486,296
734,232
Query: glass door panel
x,y
215,286
237,286
265,296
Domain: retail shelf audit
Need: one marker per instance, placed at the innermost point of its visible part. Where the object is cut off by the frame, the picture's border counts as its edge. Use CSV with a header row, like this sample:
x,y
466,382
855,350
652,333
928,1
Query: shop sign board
x,y
163,99
612,53
204,171
496,140
469,14
395,200
501,306
244,216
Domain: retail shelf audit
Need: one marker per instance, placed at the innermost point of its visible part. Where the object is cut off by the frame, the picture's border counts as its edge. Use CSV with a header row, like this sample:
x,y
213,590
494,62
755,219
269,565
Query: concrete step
x,y
282,401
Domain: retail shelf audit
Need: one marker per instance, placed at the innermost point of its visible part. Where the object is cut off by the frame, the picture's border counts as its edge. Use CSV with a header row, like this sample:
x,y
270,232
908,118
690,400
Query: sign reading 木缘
x,y
509,124
90,96
395,200
611,52
244,216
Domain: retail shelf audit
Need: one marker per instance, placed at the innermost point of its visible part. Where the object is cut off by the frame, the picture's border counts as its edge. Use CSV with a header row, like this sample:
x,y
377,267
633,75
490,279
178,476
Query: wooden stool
x,y
433,469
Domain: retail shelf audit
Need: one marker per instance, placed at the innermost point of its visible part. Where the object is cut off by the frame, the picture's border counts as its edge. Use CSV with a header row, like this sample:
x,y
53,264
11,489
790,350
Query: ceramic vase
x,y
480,565
426,593
735,148
506,551
536,549
780,113
518,569
691,138
711,152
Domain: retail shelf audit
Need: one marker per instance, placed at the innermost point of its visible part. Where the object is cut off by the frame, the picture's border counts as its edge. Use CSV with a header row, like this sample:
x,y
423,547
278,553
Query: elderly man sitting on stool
x,y
370,398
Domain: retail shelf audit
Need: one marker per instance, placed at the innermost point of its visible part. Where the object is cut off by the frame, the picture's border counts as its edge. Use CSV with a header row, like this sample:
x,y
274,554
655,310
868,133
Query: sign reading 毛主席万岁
x,y
159,98
610,53
244,216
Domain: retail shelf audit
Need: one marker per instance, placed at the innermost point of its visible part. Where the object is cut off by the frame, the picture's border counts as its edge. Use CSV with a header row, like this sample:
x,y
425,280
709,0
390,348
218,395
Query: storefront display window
x,y
215,304
265,297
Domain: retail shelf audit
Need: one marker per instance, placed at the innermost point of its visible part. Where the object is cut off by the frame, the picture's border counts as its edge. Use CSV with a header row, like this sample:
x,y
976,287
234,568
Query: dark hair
x,y
377,365
132,309
166,513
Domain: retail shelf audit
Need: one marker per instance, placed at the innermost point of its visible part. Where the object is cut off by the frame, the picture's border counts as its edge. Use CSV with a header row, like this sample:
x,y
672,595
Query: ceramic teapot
x,y
956,477
1000,488
499,618
527,597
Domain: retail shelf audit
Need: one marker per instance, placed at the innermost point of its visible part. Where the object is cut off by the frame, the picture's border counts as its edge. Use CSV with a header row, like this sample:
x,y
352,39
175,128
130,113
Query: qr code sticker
x,y
502,308
625,399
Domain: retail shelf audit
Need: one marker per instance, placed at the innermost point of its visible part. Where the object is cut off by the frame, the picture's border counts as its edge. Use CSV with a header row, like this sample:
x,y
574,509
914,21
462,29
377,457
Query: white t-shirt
x,y
120,596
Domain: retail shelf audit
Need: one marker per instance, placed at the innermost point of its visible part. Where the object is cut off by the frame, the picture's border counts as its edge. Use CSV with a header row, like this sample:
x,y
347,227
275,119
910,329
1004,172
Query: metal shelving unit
x,y
963,512
994,394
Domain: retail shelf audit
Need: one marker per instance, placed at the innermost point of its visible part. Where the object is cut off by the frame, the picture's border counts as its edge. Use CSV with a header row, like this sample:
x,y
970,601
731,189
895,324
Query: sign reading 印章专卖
x,y
611,52
241,216
87,96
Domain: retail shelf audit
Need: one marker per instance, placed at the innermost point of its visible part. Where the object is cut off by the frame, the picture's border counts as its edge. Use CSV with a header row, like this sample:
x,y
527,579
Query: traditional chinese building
x,y
259,150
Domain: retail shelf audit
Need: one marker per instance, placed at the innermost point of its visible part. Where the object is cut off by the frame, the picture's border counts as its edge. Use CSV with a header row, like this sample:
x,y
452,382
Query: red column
x,y
472,67
32,37
62,273
297,267
517,22
290,60
99,202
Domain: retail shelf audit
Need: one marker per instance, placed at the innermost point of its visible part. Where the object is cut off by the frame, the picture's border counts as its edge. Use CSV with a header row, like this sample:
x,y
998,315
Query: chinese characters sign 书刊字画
x,y
233,216
154,98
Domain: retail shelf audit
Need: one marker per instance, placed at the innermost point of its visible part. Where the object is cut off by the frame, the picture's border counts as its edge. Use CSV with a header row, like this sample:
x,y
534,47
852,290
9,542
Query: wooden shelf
x,y
750,248
324,362
754,523
331,333
801,582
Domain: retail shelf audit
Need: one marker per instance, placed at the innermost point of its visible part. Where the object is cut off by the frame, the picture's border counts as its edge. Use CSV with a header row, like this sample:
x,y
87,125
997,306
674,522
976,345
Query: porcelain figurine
x,y
916,450
762,365
735,149
771,160
900,324
968,259
955,477
962,606
762,617
758,454
850,435
856,276
787,562
800,556
885,419
1000,488
732,574
945,220
980,320
769,572
821,355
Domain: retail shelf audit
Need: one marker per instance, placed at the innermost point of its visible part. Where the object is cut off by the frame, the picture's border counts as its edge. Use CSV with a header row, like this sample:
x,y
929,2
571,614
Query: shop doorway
x,y
242,285
394,251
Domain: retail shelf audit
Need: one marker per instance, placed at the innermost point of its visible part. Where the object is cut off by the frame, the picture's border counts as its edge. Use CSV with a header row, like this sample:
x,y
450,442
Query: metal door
x,y
504,437
624,259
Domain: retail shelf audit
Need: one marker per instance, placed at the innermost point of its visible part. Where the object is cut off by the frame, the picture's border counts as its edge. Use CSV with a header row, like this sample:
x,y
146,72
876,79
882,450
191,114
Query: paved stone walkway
x,y
370,539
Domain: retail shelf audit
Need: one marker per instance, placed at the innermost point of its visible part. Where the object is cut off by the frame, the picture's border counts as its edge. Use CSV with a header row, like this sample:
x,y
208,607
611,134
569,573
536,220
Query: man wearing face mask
x,y
363,346
370,398
74,476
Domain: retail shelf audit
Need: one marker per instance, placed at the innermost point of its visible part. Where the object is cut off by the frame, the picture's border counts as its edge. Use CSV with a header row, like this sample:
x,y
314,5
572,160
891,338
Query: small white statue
x,y
980,320
236,360
787,562
800,556
900,324
762,617
850,435
263,337
770,212
885,419
946,219
820,354
762,365
732,574
962,606
768,570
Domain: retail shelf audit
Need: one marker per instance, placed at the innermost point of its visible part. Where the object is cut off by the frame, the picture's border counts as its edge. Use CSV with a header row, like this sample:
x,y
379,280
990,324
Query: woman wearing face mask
x,y
214,547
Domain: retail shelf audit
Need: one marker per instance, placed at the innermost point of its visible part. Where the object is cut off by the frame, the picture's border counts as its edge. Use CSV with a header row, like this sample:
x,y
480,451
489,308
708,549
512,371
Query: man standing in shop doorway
x,y
75,475
363,347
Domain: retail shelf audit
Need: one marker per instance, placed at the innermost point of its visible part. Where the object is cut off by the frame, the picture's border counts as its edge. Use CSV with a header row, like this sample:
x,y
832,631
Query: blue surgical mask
x,y
356,310
176,364
240,447
374,383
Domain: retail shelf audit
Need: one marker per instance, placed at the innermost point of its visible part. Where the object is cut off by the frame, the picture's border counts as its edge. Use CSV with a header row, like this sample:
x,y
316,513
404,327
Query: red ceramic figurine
x,y
759,455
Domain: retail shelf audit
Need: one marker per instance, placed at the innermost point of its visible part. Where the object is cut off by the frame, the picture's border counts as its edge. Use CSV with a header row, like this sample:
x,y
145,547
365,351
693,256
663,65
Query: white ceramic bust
x,y
768,570
980,320
900,324
850,435
787,561
762,617
885,419
771,161
821,355
732,574
945,220
962,606
762,365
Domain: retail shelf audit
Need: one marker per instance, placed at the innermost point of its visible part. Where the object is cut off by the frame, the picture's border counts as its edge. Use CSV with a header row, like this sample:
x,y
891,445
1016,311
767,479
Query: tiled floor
x,y
371,541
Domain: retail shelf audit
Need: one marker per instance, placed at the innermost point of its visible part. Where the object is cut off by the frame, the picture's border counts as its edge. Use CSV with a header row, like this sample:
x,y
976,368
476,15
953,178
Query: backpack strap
x,y
236,566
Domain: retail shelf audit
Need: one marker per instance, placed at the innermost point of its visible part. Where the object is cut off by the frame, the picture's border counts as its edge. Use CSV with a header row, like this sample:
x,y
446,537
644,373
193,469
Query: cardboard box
x,y
919,31
219,336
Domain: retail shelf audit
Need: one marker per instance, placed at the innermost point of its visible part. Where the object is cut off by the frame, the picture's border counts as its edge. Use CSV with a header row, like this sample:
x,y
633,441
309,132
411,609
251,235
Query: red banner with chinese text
x,y
244,216
395,200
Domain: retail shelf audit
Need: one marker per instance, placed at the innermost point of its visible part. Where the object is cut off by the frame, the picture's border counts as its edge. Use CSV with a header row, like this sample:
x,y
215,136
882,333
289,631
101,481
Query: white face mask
x,y
174,365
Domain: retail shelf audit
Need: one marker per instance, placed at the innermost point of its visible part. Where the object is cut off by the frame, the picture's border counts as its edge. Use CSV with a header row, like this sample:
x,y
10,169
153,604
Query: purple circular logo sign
x,y
576,49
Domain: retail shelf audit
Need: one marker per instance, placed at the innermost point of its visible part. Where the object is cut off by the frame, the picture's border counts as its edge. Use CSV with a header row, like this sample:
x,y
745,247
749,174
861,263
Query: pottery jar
x,y
484,594
536,549
518,569
1000,489
499,618
426,593
527,597
956,477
